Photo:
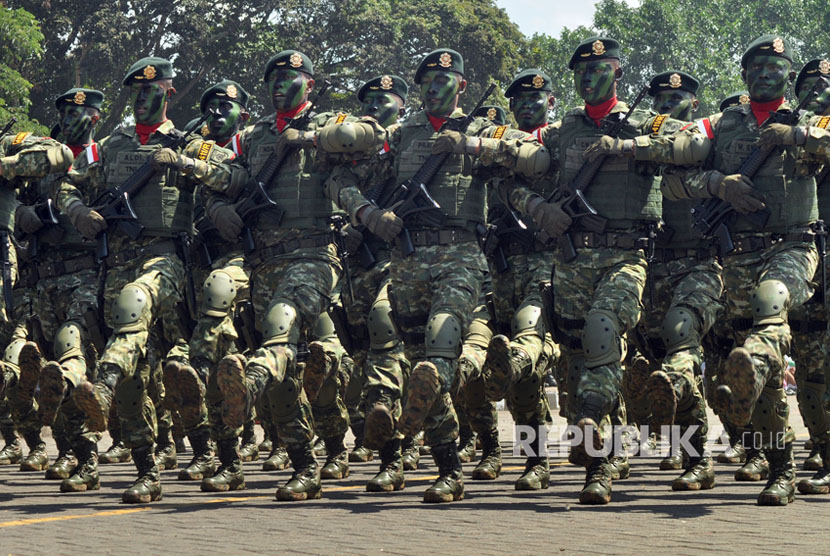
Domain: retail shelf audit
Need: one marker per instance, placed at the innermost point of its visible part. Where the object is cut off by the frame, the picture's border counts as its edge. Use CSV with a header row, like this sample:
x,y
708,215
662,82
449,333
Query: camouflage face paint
x,y
677,104
76,124
149,101
767,77
384,107
288,89
439,90
224,123
821,103
530,108
595,81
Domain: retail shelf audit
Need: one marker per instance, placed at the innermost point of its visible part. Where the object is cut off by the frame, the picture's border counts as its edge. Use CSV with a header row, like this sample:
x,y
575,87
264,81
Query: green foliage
x,y
21,39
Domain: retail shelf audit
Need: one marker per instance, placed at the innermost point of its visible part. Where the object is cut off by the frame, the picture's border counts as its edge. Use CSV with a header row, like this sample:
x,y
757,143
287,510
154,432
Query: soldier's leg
x,y
11,452
165,450
22,376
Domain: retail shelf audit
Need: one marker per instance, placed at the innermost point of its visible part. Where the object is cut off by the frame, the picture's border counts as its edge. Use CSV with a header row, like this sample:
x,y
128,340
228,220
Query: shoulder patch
x,y
705,127
658,122
499,133
205,149
20,137
341,117
822,123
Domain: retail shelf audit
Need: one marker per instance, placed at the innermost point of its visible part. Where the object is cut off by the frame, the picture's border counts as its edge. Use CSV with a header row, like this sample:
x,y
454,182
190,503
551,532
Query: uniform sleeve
x,y
37,159
817,146
83,176
220,171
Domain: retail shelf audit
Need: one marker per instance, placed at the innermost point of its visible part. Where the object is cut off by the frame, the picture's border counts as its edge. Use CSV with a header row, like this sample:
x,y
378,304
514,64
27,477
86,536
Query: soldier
x,y
809,322
145,277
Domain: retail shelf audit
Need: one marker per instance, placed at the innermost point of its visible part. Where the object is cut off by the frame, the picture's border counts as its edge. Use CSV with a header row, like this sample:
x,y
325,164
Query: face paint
x,y
224,123
530,108
76,124
288,89
767,77
595,81
677,104
149,101
820,104
439,90
384,107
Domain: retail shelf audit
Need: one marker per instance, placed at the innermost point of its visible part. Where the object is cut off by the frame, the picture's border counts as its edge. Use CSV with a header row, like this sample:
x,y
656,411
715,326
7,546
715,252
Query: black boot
x,y
65,462
249,450
37,459
449,486
359,453
337,460
780,489
390,477
820,482
305,482
489,468
597,489
229,476
11,452
203,464
147,488
85,475
166,450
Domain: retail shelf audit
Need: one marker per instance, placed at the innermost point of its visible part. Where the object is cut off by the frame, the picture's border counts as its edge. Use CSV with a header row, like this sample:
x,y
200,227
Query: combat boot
x,y
423,390
319,447
467,446
85,475
756,467
31,363
241,385
536,475
178,442
117,453
503,367
337,461
813,461
780,489
65,462
619,466
390,477
11,452
820,482
317,368
380,425
147,487
699,473
277,460
52,392
267,444
305,482
410,454
489,468
673,461
661,399
735,452
37,459
203,463
597,489
166,450
95,399
734,399
249,450
190,386
229,476
591,413
449,486
360,453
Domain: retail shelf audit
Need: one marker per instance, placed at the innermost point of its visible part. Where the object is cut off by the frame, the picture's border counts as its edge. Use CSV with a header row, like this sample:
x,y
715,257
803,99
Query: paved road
x,y
645,516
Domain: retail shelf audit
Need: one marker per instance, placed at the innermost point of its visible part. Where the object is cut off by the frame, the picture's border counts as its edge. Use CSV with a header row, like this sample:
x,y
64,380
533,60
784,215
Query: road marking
x,y
36,520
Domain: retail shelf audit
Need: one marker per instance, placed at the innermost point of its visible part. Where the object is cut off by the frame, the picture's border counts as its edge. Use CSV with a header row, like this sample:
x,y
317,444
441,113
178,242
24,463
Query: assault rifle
x,y
5,255
254,197
412,197
713,217
114,204
821,247
8,126
572,196
45,211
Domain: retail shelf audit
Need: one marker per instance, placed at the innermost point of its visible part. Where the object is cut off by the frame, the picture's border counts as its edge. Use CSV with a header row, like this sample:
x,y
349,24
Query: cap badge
x,y
232,91
824,66
491,114
79,98
538,81
386,83
598,47
149,72
743,99
445,60
675,81
778,45
296,60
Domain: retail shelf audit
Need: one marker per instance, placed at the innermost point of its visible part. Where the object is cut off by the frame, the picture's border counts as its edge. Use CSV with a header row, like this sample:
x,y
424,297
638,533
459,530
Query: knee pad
x,y
680,330
12,353
283,399
601,339
323,328
479,334
528,318
328,394
68,342
443,336
769,302
219,292
280,324
383,333
129,308
130,395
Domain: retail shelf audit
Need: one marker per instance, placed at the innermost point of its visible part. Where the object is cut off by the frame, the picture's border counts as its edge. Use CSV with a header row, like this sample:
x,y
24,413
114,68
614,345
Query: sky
x,y
549,17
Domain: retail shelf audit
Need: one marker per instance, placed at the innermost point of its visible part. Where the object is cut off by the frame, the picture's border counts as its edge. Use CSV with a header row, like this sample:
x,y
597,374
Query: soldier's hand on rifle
x,y
550,217
382,222
27,219
738,191
87,221
455,142
782,134
291,136
352,237
226,220
609,146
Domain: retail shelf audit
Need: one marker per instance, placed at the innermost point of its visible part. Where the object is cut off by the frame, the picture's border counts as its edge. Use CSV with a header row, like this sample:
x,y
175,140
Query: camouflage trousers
x,y
599,283
4,311
22,406
520,307
441,281
808,324
476,413
331,417
304,279
696,286
137,350
794,264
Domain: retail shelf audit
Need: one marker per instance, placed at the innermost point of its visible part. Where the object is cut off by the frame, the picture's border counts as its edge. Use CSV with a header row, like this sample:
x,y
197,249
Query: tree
x,y
20,32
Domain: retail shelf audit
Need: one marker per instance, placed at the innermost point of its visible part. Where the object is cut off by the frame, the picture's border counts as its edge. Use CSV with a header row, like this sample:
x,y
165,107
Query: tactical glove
x,y
455,142
738,191
87,221
549,216
609,146
291,136
352,237
168,158
226,220
782,134
27,219
382,222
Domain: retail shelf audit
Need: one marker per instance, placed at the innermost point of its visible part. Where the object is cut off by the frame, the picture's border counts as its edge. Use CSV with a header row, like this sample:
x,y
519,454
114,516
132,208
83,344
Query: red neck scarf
x,y
761,110
76,149
436,121
598,111
144,131
283,117
223,143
